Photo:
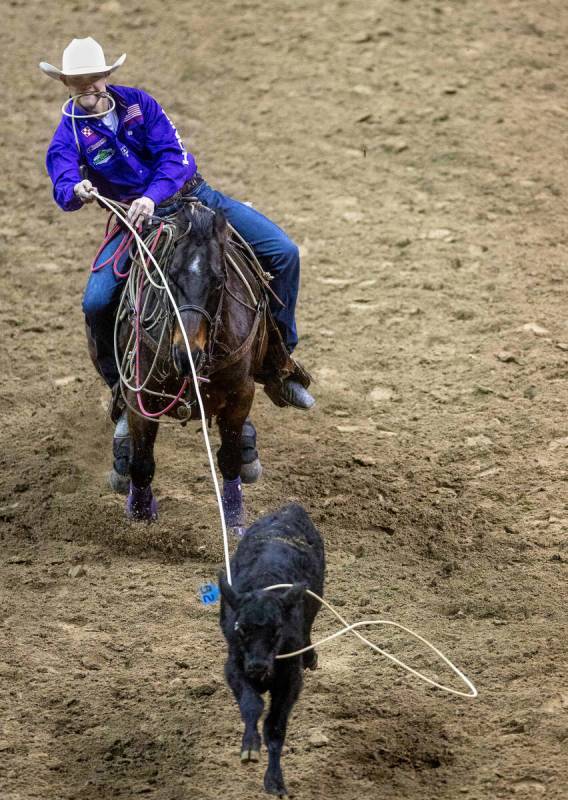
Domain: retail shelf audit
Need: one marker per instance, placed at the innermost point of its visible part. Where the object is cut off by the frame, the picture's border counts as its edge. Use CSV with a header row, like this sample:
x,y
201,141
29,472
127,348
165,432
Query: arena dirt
x,y
416,151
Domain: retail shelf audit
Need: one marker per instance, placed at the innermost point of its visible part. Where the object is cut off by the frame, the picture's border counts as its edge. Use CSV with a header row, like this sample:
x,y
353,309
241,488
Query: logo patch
x,y
96,144
124,151
133,112
86,131
103,156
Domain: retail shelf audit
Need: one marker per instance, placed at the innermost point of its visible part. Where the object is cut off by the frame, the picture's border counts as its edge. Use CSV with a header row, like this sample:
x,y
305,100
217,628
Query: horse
x,y
224,310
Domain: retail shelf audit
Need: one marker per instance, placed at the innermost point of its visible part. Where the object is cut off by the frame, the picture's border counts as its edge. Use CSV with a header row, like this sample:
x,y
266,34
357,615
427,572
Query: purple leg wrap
x,y
233,506
141,504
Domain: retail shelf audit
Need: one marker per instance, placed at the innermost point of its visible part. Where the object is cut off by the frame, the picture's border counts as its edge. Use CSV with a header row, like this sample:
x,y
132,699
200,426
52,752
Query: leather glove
x,y
85,191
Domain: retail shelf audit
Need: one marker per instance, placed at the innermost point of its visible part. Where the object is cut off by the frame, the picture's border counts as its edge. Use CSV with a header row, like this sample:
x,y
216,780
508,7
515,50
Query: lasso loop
x,y
351,628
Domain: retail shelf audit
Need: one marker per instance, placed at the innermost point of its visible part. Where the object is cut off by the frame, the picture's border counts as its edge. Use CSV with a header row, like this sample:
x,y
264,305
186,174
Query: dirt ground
x,y
416,151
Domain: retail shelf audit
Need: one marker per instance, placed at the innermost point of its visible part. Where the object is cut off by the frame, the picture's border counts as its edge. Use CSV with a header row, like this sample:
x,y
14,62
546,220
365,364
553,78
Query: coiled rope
x,y
146,259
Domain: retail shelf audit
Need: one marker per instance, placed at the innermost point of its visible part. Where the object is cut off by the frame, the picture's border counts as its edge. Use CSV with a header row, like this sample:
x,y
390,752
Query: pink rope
x,y
115,257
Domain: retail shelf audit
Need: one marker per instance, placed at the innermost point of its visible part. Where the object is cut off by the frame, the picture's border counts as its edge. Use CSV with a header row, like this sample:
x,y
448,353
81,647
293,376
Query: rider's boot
x,y
289,392
285,379
119,477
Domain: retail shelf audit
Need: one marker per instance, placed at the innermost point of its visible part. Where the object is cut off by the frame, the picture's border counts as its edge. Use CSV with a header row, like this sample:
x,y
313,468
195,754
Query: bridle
x,y
213,321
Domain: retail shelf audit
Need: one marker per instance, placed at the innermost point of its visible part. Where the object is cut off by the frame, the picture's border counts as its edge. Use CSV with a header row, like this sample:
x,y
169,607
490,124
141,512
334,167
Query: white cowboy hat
x,y
82,57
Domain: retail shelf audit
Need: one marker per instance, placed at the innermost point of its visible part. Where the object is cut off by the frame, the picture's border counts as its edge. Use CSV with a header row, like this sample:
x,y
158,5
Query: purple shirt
x,y
145,156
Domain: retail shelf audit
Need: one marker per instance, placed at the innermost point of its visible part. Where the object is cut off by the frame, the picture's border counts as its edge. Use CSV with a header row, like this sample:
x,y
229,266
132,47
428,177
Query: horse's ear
x,y
221,228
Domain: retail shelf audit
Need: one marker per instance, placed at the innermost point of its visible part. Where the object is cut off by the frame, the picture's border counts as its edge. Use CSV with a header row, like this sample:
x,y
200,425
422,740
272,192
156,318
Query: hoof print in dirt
x,y
141,505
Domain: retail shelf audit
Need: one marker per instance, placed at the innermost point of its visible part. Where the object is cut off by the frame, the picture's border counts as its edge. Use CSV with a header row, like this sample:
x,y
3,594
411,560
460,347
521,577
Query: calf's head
x,y
261,622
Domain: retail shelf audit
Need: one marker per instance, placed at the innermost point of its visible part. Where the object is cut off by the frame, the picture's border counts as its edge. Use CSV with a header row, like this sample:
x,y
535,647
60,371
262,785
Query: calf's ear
x,y
293,596
227,591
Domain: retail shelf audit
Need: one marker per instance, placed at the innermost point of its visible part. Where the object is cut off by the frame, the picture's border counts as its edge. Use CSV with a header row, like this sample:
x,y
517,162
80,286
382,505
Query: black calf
x,y
283,547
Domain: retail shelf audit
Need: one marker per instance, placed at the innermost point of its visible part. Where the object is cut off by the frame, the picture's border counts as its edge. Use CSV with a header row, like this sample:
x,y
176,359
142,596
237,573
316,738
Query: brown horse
x,y
223,307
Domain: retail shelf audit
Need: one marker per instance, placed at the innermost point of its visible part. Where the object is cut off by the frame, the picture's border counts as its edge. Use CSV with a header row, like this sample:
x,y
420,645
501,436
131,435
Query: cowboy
x,y
118,141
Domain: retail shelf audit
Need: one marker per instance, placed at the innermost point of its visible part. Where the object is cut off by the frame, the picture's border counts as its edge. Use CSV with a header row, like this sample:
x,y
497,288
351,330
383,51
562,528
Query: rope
x,y
351,628
85,115
150,315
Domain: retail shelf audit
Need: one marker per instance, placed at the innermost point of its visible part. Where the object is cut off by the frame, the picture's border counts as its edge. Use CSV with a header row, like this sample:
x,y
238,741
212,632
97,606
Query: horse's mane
x,y
202,220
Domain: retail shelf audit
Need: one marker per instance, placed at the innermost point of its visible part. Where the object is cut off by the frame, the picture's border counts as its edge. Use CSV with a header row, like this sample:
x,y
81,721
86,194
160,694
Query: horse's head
x,y
196,276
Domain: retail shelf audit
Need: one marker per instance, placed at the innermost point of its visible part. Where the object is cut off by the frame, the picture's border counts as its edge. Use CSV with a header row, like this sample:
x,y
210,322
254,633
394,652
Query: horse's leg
x,y
141,503
231,419
251,468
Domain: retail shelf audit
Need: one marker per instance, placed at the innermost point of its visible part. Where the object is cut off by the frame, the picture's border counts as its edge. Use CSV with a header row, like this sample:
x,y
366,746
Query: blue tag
x,y
209,593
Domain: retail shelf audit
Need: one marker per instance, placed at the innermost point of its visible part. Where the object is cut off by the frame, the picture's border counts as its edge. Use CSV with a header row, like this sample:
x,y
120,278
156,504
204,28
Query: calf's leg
x,y
283,696
251,706
309,659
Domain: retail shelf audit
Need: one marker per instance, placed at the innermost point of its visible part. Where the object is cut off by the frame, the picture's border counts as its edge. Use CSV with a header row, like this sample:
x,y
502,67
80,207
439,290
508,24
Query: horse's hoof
x,y
250,473
250,755
119,483
233,506
141,504
310,660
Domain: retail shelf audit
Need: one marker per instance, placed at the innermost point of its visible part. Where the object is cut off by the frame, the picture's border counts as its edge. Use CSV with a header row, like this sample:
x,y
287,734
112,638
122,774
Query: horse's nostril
x,y
196,356
181,359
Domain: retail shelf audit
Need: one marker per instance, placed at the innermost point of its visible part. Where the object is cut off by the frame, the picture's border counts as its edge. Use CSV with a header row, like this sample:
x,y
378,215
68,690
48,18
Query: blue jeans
x,y
277,253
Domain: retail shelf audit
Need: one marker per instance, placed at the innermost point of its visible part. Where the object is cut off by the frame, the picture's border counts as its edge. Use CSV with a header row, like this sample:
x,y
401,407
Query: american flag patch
x,y
133,112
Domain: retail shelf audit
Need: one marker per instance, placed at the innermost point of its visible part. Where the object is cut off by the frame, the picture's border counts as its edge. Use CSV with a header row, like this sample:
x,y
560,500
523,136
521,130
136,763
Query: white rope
x,y
115,208
351,628
85,115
